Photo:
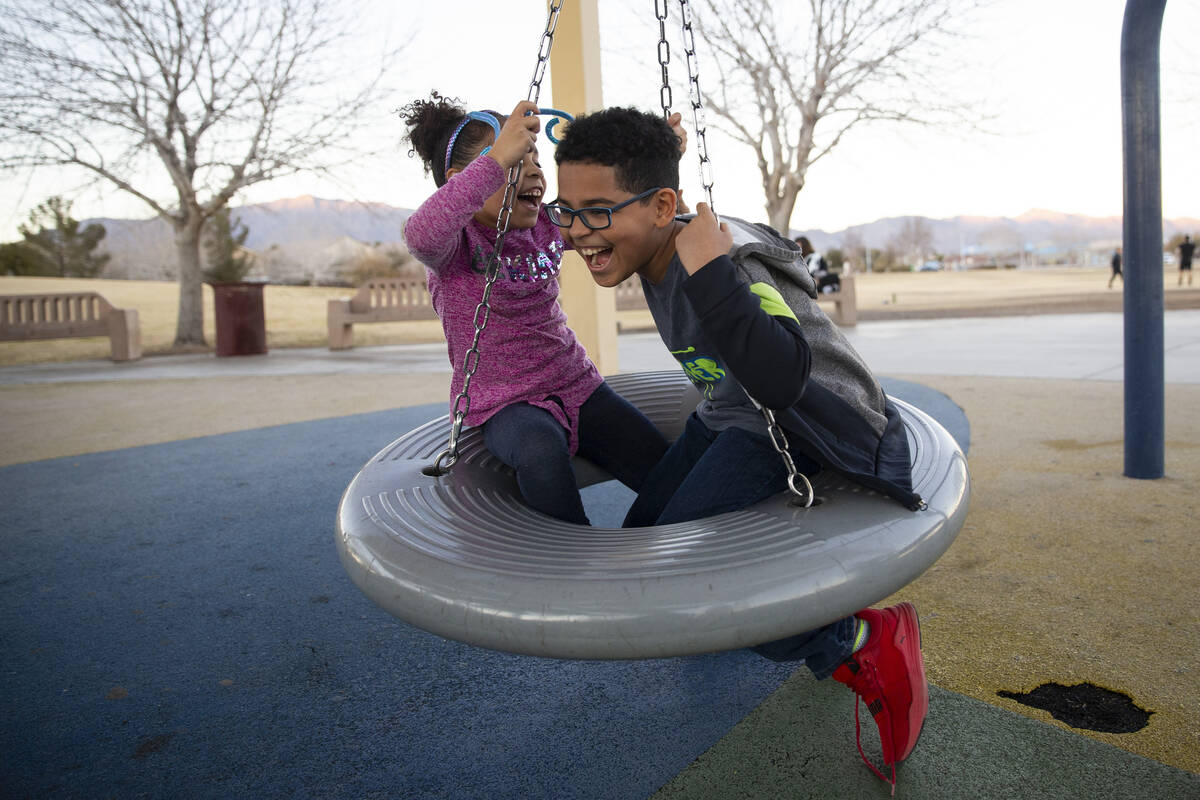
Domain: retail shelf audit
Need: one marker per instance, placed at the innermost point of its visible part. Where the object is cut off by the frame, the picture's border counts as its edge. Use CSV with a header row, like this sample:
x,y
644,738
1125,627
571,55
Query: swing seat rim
x,y
462,557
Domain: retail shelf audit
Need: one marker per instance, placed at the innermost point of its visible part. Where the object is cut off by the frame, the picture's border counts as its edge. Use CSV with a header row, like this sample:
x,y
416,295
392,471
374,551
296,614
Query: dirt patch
x,y
1086,706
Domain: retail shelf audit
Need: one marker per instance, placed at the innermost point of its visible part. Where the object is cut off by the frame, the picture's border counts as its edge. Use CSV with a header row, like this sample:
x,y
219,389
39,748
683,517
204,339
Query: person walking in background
x,y
1186,248
1116,268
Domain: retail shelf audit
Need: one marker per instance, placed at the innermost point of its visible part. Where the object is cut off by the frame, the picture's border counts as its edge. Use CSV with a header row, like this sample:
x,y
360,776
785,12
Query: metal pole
x,y
1142,239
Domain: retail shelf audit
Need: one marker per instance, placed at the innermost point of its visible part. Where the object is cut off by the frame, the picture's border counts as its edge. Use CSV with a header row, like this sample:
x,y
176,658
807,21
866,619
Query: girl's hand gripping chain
x,y
518,136
676,123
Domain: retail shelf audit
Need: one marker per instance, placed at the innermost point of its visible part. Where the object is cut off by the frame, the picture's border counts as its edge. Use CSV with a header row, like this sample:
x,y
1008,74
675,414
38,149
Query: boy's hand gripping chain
x,y
774,431
462,403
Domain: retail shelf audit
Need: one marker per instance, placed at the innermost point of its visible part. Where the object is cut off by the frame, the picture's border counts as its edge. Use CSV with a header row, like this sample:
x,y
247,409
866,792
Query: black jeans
x,y
710,472
613,434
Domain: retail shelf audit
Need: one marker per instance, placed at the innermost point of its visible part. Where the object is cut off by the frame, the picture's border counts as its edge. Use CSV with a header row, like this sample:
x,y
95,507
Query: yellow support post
x,y
575,75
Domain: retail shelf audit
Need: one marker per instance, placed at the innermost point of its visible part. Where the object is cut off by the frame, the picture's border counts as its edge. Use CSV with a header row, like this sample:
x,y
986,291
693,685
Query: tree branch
x,y
793,90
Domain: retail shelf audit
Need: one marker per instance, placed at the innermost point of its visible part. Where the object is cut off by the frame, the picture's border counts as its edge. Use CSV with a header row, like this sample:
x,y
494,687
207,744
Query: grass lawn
x,y
974,288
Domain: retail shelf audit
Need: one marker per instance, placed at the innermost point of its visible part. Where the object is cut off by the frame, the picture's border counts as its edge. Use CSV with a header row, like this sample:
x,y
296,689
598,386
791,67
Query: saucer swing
x,y
449,546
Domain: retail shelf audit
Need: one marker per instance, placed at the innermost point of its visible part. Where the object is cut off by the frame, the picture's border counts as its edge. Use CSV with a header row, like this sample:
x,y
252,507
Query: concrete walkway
x,y
1076,346
173,620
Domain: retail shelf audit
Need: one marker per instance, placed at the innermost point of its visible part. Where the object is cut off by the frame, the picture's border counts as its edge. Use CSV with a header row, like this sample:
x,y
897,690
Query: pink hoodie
x,y
527,354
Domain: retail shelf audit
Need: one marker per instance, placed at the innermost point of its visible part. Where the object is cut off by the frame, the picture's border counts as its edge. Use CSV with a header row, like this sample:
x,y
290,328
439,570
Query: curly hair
x,y
639,145
431,123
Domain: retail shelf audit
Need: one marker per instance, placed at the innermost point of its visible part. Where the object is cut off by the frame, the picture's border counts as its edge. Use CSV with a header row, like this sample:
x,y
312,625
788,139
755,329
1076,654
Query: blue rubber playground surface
x,y
174,622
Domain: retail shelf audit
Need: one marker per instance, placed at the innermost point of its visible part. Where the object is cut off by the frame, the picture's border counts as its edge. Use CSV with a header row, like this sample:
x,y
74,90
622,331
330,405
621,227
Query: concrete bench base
x,y
845,303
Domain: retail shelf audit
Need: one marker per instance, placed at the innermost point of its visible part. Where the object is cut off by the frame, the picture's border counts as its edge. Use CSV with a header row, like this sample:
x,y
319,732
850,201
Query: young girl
x,y
536,393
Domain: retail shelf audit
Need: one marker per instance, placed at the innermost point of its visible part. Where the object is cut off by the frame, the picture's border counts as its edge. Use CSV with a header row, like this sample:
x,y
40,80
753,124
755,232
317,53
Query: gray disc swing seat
x,y
462,556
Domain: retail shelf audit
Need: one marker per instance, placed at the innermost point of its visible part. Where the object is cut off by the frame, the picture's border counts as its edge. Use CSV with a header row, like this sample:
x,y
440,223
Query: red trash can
x,y
240,321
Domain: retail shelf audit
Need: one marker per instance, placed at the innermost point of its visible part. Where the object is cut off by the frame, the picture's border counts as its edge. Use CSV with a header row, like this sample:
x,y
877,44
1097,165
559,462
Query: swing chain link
x,y
780,443
697,101
483,312
664,56
547,43
776,434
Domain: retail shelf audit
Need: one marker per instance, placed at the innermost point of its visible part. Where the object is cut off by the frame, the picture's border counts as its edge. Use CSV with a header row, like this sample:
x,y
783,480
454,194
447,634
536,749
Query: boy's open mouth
x,y
597,258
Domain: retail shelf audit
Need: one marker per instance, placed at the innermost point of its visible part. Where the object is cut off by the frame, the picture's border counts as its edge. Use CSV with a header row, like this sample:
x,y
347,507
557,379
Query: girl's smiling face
x,y
639,239
526,203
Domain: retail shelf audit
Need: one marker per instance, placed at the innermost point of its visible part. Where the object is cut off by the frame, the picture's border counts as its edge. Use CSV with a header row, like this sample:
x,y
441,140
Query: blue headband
x,y
490,118
487,117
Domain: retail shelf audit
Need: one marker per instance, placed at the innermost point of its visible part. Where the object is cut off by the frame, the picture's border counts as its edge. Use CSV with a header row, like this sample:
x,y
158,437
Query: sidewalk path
x,y
1083,346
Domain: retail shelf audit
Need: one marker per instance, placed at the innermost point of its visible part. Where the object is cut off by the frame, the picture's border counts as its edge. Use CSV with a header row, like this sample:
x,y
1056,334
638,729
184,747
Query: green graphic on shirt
x,y
704,372
772,302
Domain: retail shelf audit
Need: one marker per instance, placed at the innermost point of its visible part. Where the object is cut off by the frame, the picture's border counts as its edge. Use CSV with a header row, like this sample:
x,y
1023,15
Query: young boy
x,y
735,304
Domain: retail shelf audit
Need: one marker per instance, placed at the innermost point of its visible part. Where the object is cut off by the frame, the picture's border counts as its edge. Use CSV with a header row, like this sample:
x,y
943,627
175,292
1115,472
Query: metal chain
x,y
544,48
483,311
774,431
664,56
780,443
697,101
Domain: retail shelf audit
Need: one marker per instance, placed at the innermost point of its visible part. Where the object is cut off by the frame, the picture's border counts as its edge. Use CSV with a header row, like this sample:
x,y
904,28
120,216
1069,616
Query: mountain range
x,y
310,240
297,240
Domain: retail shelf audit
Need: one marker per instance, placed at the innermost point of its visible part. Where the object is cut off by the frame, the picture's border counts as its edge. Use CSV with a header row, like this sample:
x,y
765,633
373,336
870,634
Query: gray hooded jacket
x,y
757,309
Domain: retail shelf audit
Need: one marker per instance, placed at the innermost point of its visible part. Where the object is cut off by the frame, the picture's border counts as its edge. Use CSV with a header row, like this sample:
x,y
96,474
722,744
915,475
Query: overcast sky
x,y
1047,71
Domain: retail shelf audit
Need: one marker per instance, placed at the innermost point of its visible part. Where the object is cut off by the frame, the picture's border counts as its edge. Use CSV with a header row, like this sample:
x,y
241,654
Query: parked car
x,y
930,266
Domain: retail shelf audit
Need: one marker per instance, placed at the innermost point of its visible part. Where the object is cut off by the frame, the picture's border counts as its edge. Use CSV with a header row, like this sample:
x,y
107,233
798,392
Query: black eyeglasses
x,y
595,218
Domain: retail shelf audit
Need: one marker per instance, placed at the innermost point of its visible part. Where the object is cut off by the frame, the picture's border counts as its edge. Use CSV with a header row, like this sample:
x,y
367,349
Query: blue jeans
x,y
710,472
613,434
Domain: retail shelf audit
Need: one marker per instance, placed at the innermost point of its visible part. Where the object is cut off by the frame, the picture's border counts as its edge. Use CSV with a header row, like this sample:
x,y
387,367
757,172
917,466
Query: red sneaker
x,y
888,674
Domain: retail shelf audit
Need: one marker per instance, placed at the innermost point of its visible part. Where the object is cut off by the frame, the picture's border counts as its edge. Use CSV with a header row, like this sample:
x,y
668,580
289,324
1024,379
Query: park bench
x,y
378,300
845,301
68,315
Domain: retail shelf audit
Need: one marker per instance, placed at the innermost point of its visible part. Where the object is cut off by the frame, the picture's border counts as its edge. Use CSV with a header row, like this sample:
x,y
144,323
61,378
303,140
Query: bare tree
x,y
914,240
222,94
854,248
793,82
